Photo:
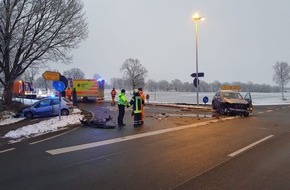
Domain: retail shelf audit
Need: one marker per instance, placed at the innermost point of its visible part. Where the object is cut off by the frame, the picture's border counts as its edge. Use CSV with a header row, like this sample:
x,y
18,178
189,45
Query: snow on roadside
x,y
43,127
8,118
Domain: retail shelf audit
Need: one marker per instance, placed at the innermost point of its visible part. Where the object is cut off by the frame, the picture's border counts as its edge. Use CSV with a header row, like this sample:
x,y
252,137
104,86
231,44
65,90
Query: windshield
x,y
232,95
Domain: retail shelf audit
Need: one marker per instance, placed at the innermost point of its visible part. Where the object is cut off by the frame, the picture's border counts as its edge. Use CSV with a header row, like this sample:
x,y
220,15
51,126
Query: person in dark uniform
x,y
74,97
137,102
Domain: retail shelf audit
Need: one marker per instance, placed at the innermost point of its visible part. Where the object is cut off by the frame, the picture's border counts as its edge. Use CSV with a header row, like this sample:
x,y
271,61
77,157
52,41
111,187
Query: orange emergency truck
x,y
23,89
88,89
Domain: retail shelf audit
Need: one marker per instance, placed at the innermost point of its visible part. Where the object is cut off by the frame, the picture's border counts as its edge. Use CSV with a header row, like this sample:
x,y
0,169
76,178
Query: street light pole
x,y
196,18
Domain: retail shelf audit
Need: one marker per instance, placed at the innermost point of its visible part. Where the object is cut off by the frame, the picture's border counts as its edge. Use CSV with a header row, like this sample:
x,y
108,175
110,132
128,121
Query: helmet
x,y
136,91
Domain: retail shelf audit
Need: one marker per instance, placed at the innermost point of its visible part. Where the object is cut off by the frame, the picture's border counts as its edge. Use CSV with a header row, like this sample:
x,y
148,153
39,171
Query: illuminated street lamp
x,y
196,18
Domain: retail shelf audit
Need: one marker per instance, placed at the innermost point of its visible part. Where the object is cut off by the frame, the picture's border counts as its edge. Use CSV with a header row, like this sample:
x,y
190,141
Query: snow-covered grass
x,y
49,125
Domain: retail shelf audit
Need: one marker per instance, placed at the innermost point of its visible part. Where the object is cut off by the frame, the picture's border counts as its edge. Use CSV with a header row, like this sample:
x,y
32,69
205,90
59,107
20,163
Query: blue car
x,y
48,107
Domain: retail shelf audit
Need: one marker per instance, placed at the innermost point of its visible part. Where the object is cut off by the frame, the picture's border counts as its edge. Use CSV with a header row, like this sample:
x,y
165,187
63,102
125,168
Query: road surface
x,y
210,153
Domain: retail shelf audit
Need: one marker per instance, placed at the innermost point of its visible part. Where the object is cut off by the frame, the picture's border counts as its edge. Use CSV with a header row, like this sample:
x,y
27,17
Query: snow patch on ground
x,y
43,127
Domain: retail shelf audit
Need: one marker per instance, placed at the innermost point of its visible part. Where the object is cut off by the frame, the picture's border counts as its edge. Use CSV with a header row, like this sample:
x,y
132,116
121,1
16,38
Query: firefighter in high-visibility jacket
x,y
122,104
143,96
137,104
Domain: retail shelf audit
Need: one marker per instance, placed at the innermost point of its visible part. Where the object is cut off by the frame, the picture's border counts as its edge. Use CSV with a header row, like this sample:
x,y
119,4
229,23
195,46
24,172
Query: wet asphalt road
x,y
167,153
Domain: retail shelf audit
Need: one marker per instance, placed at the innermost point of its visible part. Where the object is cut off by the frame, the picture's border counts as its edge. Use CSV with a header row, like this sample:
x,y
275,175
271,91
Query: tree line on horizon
x,y
134,77
177,85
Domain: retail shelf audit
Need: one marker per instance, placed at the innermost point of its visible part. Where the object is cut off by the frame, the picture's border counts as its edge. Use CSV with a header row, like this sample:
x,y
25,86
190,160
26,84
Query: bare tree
x,y
177,85
164,85
42,83
74,73
117,83
134,72
151,85
30,73
281,75
36,31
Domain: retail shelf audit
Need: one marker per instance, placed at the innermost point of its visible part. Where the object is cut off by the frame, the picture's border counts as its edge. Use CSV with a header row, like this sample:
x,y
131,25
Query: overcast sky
x,y
238,41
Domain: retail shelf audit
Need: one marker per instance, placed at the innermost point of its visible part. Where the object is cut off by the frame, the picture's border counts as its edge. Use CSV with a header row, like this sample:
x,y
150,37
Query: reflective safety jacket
x,y
113,93
137,103
122,100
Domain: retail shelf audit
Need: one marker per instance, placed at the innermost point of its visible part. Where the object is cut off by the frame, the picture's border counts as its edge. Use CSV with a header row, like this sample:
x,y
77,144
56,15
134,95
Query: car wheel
x,y
64,112
222,110
28,115
246,114
213,106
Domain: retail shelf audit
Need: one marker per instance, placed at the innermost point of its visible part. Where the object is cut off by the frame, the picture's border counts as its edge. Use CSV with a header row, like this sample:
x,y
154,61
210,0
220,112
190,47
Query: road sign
x,y
196,82
71,84
58,85
199,75
64,80
51,75
205,99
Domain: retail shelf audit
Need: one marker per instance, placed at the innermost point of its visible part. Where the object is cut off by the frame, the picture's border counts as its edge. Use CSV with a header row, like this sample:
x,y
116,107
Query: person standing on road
x,y
137,104
68,93
122,103
143,96
113,95
147,98
74,97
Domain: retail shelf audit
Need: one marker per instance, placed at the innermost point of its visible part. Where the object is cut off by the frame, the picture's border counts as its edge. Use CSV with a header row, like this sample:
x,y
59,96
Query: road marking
x,y
127,138
94,159
7,150
260,112
269,111
249,146
36,142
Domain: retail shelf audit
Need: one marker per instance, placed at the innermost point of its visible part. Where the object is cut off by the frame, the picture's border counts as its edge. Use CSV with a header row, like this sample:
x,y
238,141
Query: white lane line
x,y
269,111
36,142
260,112
126,138
7,150
249,146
